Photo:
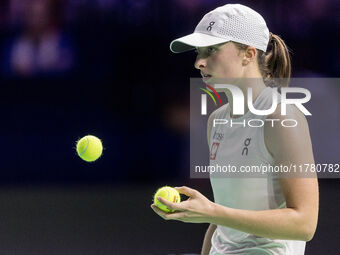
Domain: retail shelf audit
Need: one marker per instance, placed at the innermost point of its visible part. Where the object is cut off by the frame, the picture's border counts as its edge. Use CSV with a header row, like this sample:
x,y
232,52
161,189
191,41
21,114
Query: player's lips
x,y
205,77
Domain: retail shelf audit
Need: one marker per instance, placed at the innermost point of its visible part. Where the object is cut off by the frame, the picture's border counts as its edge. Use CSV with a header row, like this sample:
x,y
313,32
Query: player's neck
x,y
256,84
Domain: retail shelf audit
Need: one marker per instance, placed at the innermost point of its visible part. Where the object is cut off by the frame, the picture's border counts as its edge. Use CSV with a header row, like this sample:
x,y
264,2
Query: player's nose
x,y
200,63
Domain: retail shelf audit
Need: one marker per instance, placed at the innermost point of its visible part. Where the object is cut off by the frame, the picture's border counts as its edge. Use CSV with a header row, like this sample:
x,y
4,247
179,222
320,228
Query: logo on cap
x,y
210,25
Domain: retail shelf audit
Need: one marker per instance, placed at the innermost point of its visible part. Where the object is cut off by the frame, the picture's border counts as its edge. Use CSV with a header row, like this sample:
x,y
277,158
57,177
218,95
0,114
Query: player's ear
x,y
249,55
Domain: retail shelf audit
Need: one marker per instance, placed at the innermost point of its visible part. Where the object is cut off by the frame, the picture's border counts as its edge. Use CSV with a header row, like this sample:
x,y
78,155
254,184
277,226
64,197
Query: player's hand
x,y
196,209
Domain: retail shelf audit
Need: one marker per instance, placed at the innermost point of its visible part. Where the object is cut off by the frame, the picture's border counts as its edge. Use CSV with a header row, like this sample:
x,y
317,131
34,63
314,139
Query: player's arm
x,y
299,220
293,146
207,240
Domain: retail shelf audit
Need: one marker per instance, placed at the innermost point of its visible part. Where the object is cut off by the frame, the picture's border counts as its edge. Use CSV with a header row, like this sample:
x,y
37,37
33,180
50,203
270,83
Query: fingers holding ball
x,y
168,193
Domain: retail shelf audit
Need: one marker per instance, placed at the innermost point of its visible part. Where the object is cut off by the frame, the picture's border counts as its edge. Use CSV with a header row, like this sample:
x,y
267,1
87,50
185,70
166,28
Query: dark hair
x,y
275,63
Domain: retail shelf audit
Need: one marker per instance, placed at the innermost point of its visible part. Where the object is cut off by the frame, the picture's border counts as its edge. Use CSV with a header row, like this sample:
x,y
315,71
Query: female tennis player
x,y
249,215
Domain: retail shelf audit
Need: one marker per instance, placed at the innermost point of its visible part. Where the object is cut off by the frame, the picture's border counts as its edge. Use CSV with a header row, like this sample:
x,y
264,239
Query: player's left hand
x,y
196,209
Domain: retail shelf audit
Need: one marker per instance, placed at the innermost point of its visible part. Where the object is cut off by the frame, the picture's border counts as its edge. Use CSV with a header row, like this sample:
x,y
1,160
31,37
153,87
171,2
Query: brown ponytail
x,y
275,63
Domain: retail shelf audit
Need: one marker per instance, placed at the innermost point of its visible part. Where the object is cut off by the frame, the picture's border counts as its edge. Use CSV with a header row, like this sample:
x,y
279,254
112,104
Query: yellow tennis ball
x,y
89,148
169,194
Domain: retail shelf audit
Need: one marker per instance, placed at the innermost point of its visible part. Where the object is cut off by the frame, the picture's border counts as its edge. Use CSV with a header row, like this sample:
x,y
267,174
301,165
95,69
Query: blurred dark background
x,y
103,67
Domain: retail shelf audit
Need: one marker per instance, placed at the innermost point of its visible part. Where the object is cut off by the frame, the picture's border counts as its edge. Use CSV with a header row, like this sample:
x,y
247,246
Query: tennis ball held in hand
x,y
169,194
89,148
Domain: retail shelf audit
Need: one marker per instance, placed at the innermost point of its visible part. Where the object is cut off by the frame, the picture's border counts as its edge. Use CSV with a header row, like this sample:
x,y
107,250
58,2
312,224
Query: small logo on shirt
x,y
213,151
218,136
246,144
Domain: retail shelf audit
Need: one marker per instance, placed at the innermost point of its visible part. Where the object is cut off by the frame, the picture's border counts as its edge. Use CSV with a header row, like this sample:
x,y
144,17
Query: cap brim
x,y
193,40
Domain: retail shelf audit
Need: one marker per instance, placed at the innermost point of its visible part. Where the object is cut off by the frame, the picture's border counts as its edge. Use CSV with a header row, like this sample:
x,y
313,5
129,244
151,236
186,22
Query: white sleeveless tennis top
x,y
240,146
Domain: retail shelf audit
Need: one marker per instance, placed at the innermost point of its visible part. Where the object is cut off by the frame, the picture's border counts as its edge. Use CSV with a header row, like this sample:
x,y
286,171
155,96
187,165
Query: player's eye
x,y
211,50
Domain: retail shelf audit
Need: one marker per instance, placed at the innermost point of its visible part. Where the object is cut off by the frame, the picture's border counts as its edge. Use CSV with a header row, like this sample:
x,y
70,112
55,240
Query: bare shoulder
x,y
292,113
288,132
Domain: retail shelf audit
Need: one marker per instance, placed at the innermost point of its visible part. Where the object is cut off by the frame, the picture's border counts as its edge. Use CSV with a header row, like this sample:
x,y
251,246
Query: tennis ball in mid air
x,y
169,194
89,148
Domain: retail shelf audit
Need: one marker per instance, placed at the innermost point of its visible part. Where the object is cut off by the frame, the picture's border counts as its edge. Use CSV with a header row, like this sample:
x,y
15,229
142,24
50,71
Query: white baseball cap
x,y
231,22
